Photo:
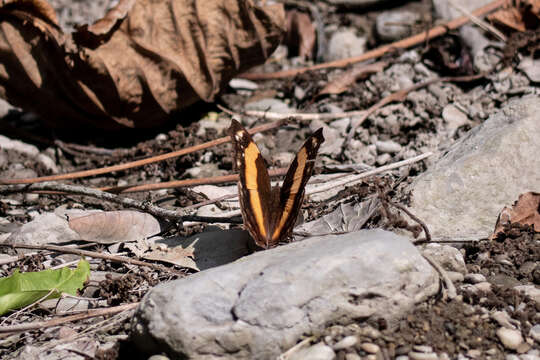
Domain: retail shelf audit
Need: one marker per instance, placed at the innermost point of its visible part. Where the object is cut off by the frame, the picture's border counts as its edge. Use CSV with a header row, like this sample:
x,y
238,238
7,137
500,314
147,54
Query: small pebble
x,y
388,146
158,357
455,276
371,357
352,356
402,357
423,348
535,332
383,159
370,348
483,286
511,357
510,338
444,356
345,343
523,348
316,352
503,319
474,353
474,278
423,356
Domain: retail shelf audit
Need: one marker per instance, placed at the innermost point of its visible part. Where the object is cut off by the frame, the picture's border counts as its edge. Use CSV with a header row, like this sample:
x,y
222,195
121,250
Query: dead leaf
x,y
347,79
518,15
115,226
176,255
301,34
145,60
161,252
525,211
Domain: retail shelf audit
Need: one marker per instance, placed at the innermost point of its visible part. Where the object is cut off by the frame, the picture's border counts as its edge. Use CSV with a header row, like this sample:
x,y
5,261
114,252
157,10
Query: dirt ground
x,y
459,326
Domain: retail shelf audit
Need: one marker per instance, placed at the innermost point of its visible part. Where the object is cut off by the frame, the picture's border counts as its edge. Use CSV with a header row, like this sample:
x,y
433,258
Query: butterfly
x,y
270,213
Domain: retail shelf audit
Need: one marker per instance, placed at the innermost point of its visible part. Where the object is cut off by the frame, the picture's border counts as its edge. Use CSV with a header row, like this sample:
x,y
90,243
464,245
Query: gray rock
x,y
388,146
450,258
344,44
531,68
535,333
474,278
345,343
333,140
370,348
531,291
318,351
510,338
422,356
445,10
463,193
270,104
454,117
258,306
395,25
47,228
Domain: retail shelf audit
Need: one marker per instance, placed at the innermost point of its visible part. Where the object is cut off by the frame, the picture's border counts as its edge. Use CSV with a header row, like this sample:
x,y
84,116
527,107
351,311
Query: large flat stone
x,y
462,194
259,306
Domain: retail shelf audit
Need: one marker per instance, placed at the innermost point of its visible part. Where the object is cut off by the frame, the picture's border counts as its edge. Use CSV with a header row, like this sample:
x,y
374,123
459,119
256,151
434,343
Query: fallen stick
x,y
380,51
37,325
132,164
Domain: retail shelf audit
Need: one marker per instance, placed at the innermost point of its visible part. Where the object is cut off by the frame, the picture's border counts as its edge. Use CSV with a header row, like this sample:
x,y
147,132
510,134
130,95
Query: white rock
x,y
263,303
422,356
535,333
243,84
458,196
510,338
444,9
345,343
388,146
454,117
531,291
344,44
474,278
370,348
531,67
450,258
18,146
270,104
318,351
395,25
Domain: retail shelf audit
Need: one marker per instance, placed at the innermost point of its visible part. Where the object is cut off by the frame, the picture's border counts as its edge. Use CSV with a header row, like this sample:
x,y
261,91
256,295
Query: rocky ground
x,y
483,300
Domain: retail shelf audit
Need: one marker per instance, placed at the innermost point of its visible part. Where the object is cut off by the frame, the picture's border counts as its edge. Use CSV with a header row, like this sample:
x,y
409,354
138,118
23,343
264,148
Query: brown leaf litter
x,y
136,66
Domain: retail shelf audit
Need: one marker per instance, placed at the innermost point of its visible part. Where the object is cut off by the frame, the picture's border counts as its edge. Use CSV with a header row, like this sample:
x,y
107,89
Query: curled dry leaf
x,y
519,15
525,211
177,255
143,61
115,226
301,34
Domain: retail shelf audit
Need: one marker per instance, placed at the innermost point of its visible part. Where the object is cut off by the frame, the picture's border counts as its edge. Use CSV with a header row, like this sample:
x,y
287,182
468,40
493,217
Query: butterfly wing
x,y
292,191
254,185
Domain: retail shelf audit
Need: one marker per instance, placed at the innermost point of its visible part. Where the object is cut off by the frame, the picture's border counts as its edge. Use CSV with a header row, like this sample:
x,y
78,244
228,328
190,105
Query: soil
x,y
459,326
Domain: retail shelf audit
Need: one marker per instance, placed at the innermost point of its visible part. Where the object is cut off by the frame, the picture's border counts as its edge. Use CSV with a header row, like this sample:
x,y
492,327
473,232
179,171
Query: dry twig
x,y
376,53
153,159
37,325
452,293
94,254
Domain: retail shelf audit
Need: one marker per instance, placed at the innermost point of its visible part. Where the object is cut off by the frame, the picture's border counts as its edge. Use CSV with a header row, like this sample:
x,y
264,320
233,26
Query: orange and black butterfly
x,y
270,213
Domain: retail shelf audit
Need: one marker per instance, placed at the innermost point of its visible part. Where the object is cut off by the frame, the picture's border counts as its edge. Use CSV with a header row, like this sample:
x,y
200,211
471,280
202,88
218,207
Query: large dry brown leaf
x,y
115,226
525,211
145,60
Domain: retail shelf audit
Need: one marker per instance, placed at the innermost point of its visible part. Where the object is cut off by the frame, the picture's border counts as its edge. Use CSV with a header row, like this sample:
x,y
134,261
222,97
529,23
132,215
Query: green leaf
x,y
20,290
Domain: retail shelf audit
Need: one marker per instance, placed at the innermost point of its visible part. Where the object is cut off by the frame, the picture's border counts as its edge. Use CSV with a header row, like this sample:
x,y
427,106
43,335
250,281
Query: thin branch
x,y
94,254
376,53
401,95
297,116
129,165
452,293
183,183
145,206
479,22
351,179
37,325
415,218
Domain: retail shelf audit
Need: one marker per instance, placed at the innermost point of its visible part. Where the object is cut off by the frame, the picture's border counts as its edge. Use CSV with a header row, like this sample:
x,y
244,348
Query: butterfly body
x,y
270,213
